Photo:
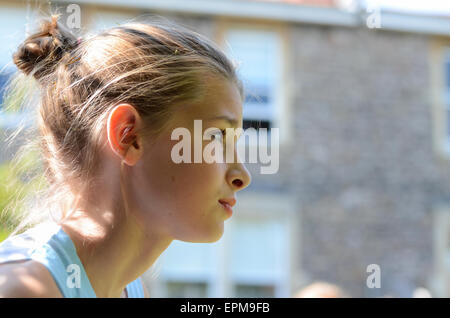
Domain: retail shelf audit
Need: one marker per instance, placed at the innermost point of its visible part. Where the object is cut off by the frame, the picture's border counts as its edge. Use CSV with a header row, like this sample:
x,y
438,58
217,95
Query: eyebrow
x,y
233,122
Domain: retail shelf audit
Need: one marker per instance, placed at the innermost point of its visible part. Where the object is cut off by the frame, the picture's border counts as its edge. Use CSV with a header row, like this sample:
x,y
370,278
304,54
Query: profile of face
x,y
181,200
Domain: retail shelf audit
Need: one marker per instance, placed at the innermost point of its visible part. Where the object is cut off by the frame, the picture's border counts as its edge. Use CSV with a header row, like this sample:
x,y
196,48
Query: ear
x,y
122,126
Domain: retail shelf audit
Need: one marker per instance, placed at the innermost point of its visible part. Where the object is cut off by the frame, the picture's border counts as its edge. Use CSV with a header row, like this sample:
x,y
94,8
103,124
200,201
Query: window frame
x,y
283,87
438,57
252,110
268,207
209,278
440,279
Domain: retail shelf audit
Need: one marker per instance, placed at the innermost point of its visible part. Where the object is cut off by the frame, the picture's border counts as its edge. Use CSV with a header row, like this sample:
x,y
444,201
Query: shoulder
x,y
27,279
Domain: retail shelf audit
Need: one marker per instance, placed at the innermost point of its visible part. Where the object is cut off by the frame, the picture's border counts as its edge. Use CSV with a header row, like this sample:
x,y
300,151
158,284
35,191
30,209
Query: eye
x,y
219,134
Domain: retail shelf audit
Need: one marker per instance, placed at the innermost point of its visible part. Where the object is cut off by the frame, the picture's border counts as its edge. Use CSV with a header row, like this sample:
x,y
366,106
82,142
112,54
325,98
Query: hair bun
x,y
41,51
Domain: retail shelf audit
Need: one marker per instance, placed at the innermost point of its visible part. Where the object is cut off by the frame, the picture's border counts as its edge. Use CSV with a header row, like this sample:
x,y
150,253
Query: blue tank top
x,y
49,245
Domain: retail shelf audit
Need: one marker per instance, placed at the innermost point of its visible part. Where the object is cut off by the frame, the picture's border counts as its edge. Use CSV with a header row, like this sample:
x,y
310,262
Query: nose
x,y
238,177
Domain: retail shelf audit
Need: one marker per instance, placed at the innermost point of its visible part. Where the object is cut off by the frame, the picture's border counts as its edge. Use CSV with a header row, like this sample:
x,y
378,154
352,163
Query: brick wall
x,y
362,164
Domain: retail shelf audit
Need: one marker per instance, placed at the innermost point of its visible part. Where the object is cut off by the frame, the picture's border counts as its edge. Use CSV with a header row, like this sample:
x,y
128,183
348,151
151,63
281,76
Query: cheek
x,y
182,184
181,199
196,181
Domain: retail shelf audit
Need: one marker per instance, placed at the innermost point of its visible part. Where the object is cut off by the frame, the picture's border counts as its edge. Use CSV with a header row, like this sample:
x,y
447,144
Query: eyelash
x,y
223,131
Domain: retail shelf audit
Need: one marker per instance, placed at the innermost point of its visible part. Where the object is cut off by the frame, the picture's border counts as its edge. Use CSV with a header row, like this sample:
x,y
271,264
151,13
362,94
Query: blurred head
x,y
320,290
109,104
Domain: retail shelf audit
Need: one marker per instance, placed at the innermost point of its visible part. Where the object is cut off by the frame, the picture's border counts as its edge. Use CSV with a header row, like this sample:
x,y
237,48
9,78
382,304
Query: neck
x,y
113,249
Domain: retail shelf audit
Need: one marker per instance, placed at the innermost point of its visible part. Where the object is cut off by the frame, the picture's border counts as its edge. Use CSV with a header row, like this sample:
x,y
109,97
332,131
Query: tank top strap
x,y
135,289
60,257
49,245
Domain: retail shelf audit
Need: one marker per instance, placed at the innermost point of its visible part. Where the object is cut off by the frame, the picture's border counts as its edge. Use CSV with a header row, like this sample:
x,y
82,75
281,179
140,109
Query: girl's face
x,y
182,200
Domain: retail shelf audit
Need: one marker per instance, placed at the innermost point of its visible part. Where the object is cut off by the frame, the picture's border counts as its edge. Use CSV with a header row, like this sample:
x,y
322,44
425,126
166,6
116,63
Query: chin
x,y
213,240
210,237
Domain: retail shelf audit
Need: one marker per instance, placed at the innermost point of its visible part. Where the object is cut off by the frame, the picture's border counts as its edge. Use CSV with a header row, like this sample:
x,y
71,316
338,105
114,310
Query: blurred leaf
x,y
18,179
3,234
19,88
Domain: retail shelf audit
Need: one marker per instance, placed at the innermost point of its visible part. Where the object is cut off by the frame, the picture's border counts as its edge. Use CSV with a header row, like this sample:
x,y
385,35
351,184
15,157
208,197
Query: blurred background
x,y
360,91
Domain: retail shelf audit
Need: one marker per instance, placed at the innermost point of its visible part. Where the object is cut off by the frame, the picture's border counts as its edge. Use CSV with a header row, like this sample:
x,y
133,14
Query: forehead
x,y
221,98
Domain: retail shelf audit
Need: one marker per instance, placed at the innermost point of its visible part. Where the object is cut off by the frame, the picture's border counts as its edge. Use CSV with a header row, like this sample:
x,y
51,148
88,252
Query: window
x,y
440,96
257,53
257,256
440,281
187,270
255,291
187,290
252,259
261,56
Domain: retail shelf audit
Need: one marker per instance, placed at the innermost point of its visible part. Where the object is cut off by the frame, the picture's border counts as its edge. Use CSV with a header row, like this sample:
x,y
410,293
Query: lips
x,y
230,201
227,205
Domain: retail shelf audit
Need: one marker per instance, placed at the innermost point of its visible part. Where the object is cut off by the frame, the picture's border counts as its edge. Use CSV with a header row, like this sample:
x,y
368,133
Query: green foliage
x,y
17,181
21,176
3,234
17,92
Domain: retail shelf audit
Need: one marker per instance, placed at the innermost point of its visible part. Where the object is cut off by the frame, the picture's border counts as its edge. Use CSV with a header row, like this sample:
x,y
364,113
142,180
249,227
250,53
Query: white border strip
x,y
390,20
238,8
415,23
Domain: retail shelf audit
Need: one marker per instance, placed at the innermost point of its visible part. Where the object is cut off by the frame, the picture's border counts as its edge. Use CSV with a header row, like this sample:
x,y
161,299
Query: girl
x,y
108,106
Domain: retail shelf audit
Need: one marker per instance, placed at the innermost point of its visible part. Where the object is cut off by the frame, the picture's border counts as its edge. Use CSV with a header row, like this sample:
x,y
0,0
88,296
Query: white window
x,y
254,258
258,54
188,270
440,280
259,257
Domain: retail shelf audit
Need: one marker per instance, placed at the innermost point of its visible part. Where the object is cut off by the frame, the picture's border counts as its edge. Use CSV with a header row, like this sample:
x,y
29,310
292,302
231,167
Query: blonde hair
x,y
154,66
